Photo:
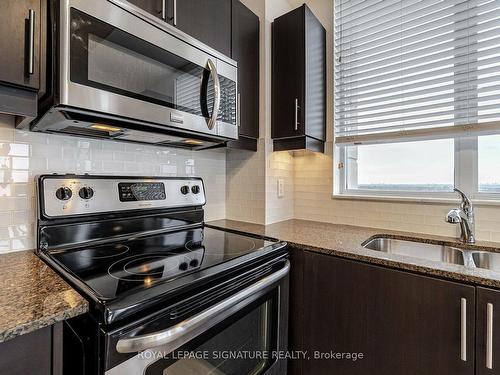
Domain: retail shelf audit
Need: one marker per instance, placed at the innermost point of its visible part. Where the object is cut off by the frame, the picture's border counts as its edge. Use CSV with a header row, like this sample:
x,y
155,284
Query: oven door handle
x,y
183,332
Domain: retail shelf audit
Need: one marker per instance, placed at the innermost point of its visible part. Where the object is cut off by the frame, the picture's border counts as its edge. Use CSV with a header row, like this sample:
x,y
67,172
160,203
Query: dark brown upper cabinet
x,y
20,46
245,51
208,21
159,8
298,81
20,43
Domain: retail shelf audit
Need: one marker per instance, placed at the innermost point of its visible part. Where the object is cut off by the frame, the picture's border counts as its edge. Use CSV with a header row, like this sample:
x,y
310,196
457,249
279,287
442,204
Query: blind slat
x,y
488,39
446,57
412,42
388,24
487,128
425,80
354,117
352,109
439,68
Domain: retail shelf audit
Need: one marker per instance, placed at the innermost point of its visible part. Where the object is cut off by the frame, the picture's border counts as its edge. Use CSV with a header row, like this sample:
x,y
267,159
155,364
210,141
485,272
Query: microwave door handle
x,y
215,113
183,332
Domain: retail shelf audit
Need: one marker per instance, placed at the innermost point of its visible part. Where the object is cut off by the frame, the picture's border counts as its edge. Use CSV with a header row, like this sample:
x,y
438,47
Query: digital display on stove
x,y
141,191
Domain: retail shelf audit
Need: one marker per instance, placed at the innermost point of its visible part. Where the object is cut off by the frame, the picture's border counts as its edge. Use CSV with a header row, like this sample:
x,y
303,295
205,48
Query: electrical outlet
x,y
281,188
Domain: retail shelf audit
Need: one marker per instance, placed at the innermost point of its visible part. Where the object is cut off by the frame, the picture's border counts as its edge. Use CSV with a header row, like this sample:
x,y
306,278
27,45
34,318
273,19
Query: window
x,y
417,97
489,164
415,166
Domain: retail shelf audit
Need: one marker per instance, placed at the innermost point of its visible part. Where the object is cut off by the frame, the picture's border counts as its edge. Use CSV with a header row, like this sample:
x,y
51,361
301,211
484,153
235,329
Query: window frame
x,y
466,178
466,169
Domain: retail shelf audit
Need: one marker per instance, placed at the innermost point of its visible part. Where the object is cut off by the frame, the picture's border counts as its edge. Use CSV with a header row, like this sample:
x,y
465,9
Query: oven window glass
x,y
107,58
242,346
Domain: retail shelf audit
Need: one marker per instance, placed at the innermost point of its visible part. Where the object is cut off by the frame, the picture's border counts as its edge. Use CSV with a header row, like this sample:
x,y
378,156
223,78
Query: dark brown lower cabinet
x,y
400,323
488,332
35,353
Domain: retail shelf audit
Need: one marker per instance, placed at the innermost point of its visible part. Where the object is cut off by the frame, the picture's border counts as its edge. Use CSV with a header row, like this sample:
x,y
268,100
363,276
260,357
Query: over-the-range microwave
x,y
118,72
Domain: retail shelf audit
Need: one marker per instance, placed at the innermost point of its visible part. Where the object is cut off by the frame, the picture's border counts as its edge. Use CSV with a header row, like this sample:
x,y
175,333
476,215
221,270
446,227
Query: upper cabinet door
x,y
401,322
209,21
288,75
299,81
159,8
245,50
20,43
488,332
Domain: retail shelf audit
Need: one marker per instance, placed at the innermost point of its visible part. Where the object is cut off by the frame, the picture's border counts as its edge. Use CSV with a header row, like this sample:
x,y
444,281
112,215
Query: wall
x,y
241,186
279,164
23,155
313,190
313,181
246,170
252,178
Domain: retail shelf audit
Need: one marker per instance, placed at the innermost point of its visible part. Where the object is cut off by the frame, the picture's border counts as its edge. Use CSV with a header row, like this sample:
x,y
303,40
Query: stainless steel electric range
x,y
168,295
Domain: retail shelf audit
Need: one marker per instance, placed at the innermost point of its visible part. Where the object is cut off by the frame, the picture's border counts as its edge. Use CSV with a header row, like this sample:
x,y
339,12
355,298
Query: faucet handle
x,y
466,204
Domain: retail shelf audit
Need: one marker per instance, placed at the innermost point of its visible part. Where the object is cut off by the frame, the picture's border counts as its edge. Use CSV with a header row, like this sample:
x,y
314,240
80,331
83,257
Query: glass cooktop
x,y
122,268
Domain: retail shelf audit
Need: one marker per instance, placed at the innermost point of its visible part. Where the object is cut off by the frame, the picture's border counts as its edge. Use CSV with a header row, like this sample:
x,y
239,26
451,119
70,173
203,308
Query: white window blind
x,y
407,70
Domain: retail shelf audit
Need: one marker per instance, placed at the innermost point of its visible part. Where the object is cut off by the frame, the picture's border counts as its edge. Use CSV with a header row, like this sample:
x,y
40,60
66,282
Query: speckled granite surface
x,y
32,296
345,241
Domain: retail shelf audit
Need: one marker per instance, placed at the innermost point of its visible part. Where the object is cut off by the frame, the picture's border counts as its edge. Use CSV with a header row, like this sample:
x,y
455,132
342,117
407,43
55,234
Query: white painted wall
x,y
252,178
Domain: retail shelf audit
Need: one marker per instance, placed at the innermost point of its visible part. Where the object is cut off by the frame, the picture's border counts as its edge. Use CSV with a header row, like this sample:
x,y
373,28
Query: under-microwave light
x,y
106,128
193,142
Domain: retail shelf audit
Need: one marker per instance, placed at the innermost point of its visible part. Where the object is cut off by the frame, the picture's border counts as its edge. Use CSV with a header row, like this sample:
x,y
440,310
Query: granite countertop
x,y
345,241
33,296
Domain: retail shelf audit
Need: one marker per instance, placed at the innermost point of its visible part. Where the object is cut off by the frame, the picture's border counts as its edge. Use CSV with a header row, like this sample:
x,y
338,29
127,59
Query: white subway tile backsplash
x,y
313,184
24,155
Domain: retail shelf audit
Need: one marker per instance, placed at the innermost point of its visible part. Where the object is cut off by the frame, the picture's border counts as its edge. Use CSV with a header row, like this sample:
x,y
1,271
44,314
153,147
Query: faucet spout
x,y
464,215
457,216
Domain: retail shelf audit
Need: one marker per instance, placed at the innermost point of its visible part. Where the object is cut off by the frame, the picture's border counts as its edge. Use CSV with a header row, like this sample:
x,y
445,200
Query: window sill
x,y
413,199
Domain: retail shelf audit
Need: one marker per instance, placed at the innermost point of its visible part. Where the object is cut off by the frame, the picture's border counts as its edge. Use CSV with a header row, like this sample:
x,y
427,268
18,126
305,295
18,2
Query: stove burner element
x,y
235,247
102,252
151,267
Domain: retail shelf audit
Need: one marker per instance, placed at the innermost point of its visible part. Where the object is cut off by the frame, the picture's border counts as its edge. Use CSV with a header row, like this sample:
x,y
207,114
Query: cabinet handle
x,y
463,329
164,9
238,110
296,114
31,41
489,336
175,12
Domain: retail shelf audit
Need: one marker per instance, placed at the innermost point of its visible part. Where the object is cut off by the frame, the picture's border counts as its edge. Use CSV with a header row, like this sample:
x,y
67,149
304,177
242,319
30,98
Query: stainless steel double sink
x,y
439,253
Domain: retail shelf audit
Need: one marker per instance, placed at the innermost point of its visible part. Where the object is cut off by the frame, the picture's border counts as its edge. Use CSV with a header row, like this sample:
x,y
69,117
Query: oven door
x,y
114,62
242,334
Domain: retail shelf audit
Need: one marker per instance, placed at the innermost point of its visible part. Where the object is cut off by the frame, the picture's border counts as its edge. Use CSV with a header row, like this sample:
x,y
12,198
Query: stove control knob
x,y
194,263
183,266
64,193
86,192
185,189
195,189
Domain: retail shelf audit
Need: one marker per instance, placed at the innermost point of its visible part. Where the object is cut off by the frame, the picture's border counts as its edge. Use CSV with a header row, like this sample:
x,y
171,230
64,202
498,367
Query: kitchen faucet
x,y
464,215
